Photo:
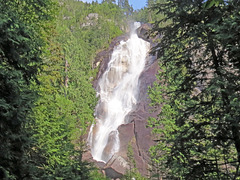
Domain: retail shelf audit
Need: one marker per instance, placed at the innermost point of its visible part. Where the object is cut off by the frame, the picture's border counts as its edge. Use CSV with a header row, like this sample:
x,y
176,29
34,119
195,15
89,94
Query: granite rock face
x,y
134,132
102,59
143,30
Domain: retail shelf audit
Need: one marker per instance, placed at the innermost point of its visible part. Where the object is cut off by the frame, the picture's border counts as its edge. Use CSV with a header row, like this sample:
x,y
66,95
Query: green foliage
x,y
46,96
151,13
20,58
124,4
198,129
132,172
130,155
65,108
96,175
211,3
141,15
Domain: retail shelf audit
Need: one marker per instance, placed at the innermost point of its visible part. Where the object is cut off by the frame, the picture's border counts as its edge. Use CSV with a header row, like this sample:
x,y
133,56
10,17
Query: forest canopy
x,y
47,101
198,130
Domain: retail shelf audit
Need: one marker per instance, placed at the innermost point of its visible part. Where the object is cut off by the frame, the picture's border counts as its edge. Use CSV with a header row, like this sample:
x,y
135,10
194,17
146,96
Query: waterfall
x,y
118,94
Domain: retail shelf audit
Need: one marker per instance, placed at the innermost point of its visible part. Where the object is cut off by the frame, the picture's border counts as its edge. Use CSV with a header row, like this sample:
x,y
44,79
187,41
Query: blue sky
x,y
137,4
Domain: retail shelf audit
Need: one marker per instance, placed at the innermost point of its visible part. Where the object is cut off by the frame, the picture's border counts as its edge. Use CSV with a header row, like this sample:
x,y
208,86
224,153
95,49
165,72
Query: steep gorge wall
x,y
134,132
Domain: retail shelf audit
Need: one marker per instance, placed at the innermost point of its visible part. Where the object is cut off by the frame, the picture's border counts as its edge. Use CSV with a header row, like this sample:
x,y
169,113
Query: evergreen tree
x,y
46,95
132,172
198,130
109,1
20,58
124,4
65,108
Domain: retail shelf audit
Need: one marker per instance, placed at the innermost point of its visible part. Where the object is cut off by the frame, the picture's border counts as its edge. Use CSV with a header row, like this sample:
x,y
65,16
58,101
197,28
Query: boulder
x,y
118,164
116,167
92,16
143,31
91,20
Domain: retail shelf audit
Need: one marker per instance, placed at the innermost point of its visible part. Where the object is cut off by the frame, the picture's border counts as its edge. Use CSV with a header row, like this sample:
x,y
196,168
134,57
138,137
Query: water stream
x,y
118,94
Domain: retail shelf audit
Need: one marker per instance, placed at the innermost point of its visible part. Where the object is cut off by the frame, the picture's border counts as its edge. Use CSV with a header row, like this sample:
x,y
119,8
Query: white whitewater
x,y
118,93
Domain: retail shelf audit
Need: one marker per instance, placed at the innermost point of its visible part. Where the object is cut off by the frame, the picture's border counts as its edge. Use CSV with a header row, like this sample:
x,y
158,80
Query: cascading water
x,y
118,93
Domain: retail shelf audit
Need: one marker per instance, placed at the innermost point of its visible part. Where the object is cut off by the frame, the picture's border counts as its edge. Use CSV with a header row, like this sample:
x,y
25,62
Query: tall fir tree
x,y
21,48
198,130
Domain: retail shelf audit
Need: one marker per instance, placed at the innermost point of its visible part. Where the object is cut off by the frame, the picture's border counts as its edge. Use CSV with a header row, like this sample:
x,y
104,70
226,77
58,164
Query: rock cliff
x,y
134,132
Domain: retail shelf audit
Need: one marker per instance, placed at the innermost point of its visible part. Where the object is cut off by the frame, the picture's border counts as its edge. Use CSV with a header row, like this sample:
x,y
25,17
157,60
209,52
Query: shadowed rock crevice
x,y
135,134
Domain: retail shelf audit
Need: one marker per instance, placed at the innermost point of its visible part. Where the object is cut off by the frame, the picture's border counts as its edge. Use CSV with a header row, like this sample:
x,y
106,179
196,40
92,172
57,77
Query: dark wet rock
x,y
118,164
107,152
116,167
142,134
143,32
126,134
102,59
135,131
